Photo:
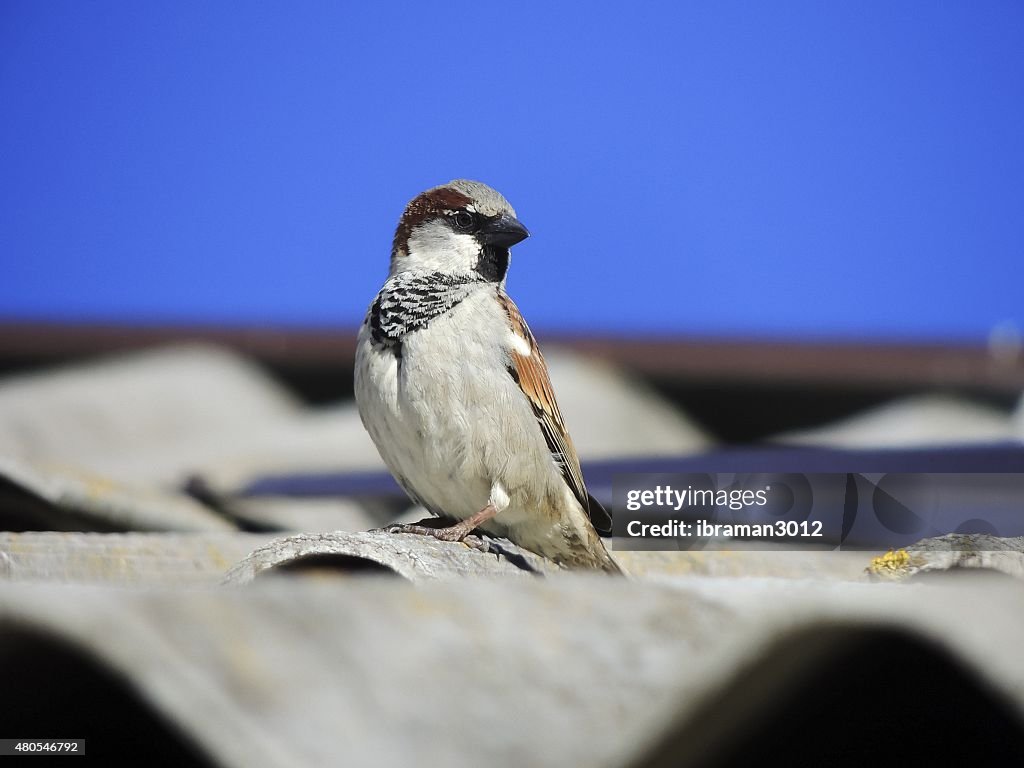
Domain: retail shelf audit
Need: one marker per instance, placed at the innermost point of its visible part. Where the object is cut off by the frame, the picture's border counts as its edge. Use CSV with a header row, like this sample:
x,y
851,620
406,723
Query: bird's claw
x,y
476,542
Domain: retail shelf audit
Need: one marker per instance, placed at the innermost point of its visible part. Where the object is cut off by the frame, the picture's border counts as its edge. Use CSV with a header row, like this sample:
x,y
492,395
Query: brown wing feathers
x,y
531,373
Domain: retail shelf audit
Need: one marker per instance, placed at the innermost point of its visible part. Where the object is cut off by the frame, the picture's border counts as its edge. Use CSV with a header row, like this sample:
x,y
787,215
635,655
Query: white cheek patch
x,y
520,345
434,246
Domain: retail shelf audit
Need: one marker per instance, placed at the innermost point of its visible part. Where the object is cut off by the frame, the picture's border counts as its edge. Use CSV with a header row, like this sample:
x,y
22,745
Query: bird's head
x,y
457,228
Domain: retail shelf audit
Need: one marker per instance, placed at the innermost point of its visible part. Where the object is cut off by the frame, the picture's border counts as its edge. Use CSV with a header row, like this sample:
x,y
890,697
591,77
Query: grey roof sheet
x,y
244,649
567,670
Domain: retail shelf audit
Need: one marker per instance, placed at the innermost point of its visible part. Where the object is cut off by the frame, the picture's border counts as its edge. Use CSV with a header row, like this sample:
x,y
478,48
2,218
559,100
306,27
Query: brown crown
x,y
423,207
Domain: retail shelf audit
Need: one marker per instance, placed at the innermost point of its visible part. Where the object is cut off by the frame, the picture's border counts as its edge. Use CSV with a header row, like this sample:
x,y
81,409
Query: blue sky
x,y
803,170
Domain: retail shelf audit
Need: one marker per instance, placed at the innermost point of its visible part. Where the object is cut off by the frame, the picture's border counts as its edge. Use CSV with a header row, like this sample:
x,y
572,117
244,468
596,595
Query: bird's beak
x,y
503,232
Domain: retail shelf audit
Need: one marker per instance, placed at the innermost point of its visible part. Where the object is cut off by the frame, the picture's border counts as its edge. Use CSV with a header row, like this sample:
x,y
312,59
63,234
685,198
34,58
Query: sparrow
x,y
455,393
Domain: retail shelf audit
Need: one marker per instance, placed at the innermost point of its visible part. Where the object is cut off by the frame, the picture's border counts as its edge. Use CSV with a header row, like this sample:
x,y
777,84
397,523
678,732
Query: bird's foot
x,y
460,531
443,534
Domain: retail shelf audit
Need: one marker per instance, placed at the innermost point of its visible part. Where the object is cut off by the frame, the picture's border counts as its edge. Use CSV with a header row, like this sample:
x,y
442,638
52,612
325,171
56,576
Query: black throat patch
x,y
493,264
409,302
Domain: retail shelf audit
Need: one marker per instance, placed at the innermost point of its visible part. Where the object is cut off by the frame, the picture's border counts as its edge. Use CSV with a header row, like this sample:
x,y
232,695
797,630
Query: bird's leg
x,y
457,532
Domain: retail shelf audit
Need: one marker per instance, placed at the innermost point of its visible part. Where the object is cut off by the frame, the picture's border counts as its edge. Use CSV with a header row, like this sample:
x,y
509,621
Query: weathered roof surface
x,y
919,420
136,559
159,417
47,496
123,559
570,670
417,558
952,552
187,638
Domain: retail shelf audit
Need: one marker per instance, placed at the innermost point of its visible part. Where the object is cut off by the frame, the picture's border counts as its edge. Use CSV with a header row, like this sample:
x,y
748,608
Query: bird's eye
x,y
464,221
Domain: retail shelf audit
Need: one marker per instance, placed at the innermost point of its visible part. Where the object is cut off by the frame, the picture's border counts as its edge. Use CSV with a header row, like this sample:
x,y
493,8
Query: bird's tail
x,y
609,565
600,558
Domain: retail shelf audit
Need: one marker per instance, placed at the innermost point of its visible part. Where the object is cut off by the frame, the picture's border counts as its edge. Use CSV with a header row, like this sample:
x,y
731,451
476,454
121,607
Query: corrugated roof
x,y
186,639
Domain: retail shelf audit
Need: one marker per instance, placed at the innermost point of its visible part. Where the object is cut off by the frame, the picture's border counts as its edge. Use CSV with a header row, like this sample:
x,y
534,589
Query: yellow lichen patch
x,y
892,565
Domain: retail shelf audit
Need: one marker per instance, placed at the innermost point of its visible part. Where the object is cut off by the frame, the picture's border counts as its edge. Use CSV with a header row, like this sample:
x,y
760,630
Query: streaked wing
x,y
531,373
